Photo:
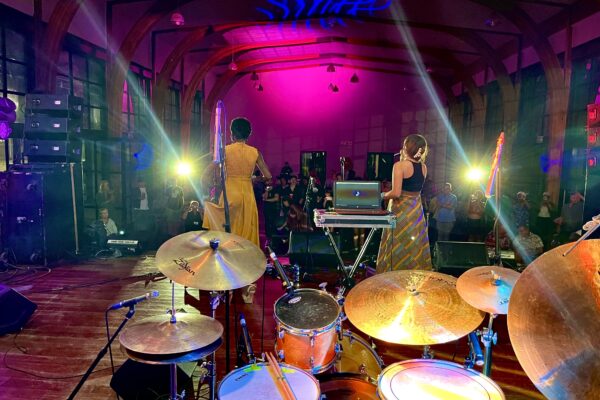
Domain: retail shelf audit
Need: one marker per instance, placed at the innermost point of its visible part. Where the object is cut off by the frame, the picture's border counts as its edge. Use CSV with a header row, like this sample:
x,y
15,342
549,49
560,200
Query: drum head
x,y
435,379
255,382
307,309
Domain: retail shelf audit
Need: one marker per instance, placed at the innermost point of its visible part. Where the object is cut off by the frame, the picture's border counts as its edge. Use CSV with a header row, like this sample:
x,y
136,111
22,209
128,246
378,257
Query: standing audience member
x,y
528,246
294,192
192,217
174,208
571,218
475,223
105,197
271,202
140,196
286,170
445,216
544,224
521,211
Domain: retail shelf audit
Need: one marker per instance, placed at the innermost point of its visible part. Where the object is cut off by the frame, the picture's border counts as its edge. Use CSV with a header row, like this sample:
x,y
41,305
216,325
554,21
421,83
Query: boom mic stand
x,y
227,225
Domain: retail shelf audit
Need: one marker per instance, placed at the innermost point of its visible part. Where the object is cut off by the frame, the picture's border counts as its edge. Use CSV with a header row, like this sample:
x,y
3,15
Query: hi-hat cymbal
x,y
211,260
158,336
554,320
487,288
411,307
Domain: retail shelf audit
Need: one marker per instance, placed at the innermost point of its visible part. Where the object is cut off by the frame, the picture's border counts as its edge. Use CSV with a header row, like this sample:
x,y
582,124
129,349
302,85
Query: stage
x,y
66,332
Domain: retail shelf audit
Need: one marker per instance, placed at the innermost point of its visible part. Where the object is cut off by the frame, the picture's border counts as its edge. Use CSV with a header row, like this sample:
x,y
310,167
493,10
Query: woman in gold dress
x,y
407,245
240,163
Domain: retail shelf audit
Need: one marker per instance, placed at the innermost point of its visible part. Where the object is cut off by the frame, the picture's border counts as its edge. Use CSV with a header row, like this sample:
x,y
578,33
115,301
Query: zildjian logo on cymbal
x,y
184,265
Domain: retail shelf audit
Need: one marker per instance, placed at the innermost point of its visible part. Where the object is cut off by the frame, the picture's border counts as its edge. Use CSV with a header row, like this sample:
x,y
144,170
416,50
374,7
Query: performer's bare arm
x,y
262,166
397,177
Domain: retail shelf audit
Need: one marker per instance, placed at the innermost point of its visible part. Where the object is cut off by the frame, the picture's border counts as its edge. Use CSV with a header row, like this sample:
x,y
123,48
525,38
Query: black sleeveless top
x,y
415,182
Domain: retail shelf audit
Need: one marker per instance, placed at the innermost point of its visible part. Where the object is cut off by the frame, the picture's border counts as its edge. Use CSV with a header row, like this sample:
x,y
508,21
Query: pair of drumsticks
x,y
282,384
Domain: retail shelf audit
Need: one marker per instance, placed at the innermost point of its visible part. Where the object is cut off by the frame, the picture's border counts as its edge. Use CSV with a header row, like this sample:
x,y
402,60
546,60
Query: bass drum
x,y
356,356
347,387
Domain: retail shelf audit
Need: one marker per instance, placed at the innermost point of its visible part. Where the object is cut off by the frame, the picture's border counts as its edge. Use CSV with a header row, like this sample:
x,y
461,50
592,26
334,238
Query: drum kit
x,y
553,304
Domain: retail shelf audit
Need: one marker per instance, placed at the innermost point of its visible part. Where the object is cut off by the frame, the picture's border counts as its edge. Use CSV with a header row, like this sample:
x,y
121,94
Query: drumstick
x,y
282,392
279,373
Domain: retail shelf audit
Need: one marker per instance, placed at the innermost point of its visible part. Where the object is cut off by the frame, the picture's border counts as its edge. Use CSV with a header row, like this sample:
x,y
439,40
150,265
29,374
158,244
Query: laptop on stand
x,y
358,198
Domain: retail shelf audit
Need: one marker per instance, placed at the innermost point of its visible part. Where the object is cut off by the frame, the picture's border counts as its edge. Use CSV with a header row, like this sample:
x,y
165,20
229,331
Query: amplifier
x,y
52,150
43,125
59,104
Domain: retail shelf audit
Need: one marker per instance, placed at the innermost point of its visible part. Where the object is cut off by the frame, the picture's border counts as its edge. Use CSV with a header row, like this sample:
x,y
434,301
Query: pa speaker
x,y
135,380
313,249
454,258
15,310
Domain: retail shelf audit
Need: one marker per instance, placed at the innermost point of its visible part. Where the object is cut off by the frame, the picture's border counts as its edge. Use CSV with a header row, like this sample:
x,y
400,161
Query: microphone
x,y
133,301
247,341
286,281
475,349
342,161
217,143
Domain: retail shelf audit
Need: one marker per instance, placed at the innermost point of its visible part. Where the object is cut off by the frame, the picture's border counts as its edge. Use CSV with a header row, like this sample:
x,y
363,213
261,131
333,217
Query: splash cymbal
x,y
487,288
157,336
411,307
554,320
211,260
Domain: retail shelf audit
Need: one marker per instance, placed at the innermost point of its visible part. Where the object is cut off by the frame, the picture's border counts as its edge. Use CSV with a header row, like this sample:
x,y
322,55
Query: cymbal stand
x,y
215,300
488,338
427,353
173,395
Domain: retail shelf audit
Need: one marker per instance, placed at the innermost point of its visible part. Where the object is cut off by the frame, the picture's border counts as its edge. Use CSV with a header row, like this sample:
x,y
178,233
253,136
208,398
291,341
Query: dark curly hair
x,y
240,128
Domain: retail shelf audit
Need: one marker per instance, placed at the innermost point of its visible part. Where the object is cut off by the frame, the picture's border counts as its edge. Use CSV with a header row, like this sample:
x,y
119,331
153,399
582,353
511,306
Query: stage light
x,y
177,19
474,174
331,68
183,168
354,78
254,76
260,87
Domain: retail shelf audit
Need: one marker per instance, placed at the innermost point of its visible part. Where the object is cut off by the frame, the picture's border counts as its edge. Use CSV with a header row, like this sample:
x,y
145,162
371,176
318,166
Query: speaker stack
x,y
43,208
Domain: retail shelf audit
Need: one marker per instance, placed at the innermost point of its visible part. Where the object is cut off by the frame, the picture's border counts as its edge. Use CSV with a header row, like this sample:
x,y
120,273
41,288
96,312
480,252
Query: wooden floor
x,y
45,360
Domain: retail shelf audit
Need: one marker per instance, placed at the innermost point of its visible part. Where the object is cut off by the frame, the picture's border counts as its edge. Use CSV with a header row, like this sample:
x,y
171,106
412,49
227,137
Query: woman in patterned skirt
x,y
407,245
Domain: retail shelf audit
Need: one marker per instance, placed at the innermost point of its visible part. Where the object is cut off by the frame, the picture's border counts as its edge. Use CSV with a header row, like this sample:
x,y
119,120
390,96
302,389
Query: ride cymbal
x,y
158,336
411,307
554,320
487,288
211,260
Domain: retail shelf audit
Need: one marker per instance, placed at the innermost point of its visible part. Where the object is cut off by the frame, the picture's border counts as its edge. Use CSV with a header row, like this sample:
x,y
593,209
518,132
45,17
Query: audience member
x,y
192,217
286,170
528,246
141,198
445,215
294,192
544,224
105,197
521,210
475,223
271,200
571,218
174,208
490,239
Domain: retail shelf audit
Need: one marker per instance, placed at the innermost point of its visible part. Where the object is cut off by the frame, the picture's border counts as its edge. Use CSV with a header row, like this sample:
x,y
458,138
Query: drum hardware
x,y
475,356
285,281
427,353
355,356
488,338
554,320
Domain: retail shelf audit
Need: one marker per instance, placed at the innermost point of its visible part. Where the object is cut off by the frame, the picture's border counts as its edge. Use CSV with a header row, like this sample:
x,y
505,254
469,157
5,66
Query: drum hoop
x,y
282,365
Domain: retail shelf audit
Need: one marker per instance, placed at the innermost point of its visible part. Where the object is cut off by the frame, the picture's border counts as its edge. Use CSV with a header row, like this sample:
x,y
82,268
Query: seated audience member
x,y
528,246
571,218
192,217
102,230
109,225
490,240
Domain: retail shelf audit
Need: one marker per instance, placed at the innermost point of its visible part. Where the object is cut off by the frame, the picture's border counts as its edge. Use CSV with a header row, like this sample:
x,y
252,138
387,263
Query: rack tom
x,y
308,323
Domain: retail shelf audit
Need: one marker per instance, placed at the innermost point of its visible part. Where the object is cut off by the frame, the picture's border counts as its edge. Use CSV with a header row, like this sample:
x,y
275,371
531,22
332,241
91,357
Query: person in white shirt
x,y
141,201
109,224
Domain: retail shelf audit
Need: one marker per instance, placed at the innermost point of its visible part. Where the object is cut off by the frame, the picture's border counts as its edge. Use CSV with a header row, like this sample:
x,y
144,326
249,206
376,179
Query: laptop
x,y
358,198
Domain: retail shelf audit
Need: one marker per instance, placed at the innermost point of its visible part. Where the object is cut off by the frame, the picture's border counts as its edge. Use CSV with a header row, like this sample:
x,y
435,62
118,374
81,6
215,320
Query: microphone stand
x,y
226,226
102,353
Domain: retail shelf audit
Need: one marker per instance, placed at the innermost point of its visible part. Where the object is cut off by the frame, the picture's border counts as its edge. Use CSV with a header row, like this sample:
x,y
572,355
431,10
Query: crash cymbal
x,y
411,307
554,322
158,336
487,288
211,260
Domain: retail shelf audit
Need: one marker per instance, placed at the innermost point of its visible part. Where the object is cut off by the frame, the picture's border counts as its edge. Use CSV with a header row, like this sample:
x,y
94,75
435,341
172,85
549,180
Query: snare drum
x,y
435,379
255,382
356,356
307,325
347,387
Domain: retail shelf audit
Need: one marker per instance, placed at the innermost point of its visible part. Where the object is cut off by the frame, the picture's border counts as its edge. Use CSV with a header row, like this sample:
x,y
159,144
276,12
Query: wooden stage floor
x,y
46,359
